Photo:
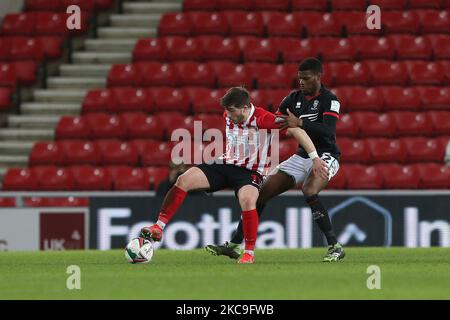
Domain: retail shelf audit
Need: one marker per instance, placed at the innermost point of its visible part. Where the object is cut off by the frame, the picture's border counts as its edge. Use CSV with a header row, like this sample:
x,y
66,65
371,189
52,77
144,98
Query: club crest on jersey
x,y
315,104
299,104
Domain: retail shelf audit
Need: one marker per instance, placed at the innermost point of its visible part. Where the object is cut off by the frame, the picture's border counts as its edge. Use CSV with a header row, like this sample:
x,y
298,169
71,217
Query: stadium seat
x,y
411,47
7,76
53,24
259,98
422,149
336,49
259,50
371,124
347,126
102,5
182,48
318,24
234,4
348,5
186,122
115,152
25,48
355,23
362,177
144,145
44,153
195,74
287,148
339,181
294,50
269,75
72,127
368,47
151,49
441,45
363,98
157,175
386,150
98,100
123,75
140,125
271,5
279,24
423,4
170,99
5,48
445,65
384,72
348,73
53,178
412,123
51,46
400,22
127,99
211,121
208,23
5,98
105,126
400,98
354,150
399,176
434,176
245,23
205,100
159,156
312,5
275,96
131,179
25,72
80,152
175,23
219,48
425,73
434,97
157,74
440,121
20,179
199,5
389,4
7,202
237,75
85,5
434,21
166,119
88,178
42,5
19,24
59,202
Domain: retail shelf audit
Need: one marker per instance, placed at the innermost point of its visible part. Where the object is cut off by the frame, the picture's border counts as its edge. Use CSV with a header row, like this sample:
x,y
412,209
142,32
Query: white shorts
x,y
298,168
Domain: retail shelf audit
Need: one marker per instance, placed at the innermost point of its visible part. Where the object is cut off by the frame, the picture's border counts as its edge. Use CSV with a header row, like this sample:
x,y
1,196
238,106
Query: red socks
x,y
250,227
173,200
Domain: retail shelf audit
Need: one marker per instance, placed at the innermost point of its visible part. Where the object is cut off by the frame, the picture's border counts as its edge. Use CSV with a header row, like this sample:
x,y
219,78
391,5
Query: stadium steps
x,y
447,153
15,148
55,108
59,95
93,57
152,7
115,45
75,83
33,121
135,20
126,33
84,70
13,160
25,134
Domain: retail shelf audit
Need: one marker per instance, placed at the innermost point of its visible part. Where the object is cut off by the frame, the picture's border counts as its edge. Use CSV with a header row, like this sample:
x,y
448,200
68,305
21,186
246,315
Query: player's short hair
x,y
311,64
237,97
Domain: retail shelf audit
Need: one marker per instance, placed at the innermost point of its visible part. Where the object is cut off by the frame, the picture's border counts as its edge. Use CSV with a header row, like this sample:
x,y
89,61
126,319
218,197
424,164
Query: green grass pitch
x,y
277,274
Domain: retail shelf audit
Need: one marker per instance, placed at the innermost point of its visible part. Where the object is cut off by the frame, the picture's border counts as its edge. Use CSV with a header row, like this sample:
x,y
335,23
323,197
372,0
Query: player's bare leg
x,y
311,188
193,179
247,196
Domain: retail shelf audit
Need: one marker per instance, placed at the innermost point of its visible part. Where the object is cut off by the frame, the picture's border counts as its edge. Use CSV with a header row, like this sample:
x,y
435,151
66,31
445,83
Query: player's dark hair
x,y
237,97
311,64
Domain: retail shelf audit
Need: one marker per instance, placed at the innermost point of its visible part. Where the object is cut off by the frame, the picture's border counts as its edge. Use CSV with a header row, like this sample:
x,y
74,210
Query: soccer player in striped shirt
x,y
241,167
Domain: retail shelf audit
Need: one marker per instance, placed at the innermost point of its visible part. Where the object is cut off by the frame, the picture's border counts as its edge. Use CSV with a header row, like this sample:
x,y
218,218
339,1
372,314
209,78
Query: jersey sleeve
x,y
330,117
331,107
266,120
284,105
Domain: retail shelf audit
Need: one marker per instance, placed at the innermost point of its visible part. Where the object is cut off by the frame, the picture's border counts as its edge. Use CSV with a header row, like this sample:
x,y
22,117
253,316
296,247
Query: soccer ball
x,y
139,250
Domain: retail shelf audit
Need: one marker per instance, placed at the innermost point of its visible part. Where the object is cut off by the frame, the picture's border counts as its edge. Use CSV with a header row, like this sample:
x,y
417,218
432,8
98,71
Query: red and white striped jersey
x,y
249,143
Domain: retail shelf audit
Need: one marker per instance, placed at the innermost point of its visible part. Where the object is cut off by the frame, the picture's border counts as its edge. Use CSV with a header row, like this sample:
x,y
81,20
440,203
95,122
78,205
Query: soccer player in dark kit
x,y
315,109
241,167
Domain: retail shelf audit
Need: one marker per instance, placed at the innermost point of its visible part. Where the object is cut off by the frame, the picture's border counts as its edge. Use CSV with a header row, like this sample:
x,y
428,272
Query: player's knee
x,y
183,182
247,203
308,191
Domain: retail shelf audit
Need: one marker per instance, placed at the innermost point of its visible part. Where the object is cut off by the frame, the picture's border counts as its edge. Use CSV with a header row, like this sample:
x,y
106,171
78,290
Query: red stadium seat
x,y
19,24
435,97
64,202
89,178
157,74
348,73
386,72
72,127
5,48
363,98
26,72
219,48
335,49
339,181
144,145
259,98
115,152
355,22
433,21
280,24
235,76
124,75
105,126
175,23
186,122
84,5
98,100
272,5
195,74
128,99
318,24
20,179
445,65
208,23
387,150
54,178
412,123
275,96
411,47
259,50
425,73
294,50
362,177
373,124
43,5
182,48
159,156
398,176
51,23
7,202
80,152
8,76
440,121
150,49
141,125
348,5
5,98
205,100
245,23
211,121
24,48
347,126
287,147
400,98
434,176
313,5
400,22
157,175
354,150
234,4
199,5
167,118
441,45
389,4
423,4
44,153
51,46
269,75
422,149
170,99
131,179
102,5
369,47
